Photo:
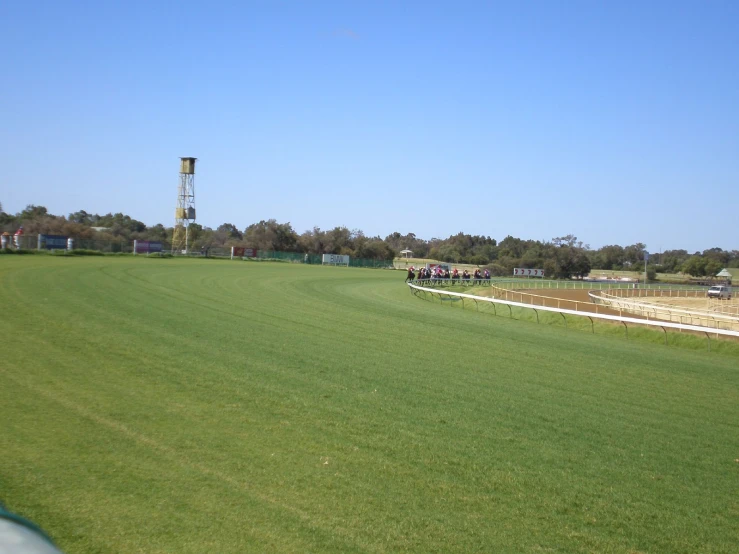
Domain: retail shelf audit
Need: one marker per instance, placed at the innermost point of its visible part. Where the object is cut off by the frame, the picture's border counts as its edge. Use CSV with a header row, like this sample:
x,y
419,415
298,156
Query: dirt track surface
x,y
581,295
573,299
566,299
569,299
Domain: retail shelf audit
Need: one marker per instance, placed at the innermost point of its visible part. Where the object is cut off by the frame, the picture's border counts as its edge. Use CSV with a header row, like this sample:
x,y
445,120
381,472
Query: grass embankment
x,y
196,406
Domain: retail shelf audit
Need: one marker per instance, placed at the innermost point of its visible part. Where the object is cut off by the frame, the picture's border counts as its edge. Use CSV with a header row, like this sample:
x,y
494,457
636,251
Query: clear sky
x,y
614,121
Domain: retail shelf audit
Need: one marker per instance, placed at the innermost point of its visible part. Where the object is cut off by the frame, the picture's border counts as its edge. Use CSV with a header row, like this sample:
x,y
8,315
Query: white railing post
x,y
649,323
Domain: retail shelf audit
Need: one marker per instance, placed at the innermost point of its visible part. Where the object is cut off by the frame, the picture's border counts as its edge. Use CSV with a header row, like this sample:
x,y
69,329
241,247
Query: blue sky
x,y
614,121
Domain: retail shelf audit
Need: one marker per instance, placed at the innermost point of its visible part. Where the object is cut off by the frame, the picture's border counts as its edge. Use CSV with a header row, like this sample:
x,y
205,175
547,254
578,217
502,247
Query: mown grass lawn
x,y
190,406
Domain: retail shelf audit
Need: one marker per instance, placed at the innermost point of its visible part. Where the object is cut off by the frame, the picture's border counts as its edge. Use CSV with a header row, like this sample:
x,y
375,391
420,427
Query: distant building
x,y
728,274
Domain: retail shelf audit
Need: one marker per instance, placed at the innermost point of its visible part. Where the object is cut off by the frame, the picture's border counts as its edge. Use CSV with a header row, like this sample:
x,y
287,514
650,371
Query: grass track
x,y
211,406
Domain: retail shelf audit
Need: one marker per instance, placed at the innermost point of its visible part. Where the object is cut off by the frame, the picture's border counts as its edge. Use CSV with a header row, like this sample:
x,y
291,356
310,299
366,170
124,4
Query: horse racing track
x,y
189,406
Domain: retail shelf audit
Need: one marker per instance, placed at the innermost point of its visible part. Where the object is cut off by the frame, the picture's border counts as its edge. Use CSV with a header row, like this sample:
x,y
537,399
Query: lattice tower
x,y
185,211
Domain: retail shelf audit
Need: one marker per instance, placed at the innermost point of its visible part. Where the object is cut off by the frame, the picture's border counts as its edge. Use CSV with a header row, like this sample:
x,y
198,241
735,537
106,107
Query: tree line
x,y
563,257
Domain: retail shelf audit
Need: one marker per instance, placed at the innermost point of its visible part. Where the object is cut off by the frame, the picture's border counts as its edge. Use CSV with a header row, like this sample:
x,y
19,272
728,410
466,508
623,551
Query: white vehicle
x,y
720,292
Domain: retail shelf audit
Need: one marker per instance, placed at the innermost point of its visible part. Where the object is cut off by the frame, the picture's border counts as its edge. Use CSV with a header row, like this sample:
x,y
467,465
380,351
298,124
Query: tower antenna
x,y
184,213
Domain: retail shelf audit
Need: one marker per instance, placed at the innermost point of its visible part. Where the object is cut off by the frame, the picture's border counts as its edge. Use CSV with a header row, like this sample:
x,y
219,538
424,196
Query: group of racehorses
x,y
427,274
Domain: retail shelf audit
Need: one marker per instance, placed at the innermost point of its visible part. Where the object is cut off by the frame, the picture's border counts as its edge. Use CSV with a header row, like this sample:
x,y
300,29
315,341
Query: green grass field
x,y
190,406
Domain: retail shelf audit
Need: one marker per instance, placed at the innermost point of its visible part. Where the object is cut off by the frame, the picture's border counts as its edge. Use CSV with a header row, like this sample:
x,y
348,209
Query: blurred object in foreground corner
x,y
20,536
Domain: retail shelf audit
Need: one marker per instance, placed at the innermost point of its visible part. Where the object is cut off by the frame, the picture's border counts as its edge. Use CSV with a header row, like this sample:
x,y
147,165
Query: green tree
x,y
713,267
375,249
33,212
634,253
533,257
609,257
230,231
497,270
339,239
511,247
313,241
695,266
672,260
160,232
6,220
271,235
398,242
81,217
580,264
479,260
718,255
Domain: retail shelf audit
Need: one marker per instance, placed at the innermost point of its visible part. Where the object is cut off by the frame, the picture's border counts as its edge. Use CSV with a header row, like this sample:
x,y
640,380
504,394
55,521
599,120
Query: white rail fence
x,y
608,299
664,325
638,289
670,313
715,305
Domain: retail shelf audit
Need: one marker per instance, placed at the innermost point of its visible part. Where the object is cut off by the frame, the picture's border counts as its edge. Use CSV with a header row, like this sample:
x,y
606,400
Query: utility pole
x,y
646,259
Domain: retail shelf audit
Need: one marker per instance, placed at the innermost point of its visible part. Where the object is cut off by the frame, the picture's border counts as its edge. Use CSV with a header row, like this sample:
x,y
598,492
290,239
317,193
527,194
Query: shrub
x,y
497,270
16,251
85,252
80,252
479,260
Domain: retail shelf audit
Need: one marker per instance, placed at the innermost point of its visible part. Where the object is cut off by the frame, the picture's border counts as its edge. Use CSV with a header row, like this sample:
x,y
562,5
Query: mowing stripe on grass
x,y
198,405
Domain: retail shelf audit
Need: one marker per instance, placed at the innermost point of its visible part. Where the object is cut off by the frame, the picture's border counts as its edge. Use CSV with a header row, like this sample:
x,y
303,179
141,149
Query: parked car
x,y
719,291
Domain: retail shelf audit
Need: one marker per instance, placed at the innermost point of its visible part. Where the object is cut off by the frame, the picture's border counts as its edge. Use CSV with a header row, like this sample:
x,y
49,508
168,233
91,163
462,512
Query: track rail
x,y
664,325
